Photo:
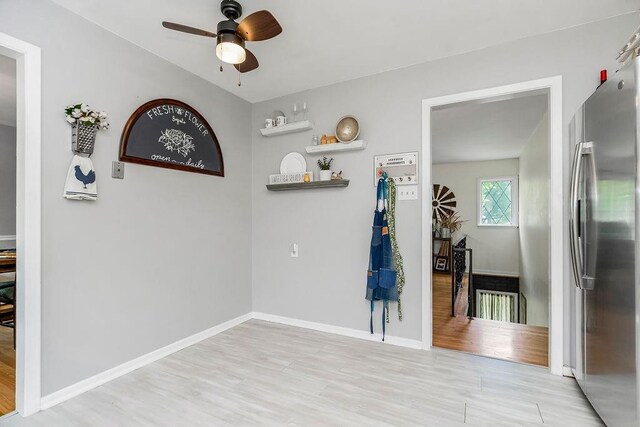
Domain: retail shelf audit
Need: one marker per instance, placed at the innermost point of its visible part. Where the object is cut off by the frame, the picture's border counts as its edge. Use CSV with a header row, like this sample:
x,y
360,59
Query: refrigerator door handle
x,y
582,149
574,225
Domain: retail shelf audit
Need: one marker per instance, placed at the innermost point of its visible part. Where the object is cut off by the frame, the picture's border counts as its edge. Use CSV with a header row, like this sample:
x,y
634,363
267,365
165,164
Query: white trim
x,y
28,224
567,372
113,373
515,201
338,330
7,238
556,233
556,185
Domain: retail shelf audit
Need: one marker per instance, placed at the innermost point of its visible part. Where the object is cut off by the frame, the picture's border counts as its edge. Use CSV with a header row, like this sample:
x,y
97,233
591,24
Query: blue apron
x,y
381,276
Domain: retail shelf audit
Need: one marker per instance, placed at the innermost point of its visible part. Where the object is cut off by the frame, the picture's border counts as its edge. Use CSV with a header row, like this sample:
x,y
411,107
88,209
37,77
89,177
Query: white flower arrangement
x,y
81,114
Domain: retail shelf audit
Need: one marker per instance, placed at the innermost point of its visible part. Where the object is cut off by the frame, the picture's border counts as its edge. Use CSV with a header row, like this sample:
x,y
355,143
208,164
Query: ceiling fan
x,y
231,36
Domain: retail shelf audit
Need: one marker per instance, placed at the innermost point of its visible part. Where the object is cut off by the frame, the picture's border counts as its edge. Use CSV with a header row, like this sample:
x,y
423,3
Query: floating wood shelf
x,y
334,183
288,128
339,146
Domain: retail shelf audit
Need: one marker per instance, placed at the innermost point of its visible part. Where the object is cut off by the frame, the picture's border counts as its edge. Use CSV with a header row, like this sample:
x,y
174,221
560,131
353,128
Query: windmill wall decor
x,y
442,201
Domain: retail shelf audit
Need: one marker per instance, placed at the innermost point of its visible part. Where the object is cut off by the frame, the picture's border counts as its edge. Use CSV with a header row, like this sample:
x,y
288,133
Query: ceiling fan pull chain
x,y
239,74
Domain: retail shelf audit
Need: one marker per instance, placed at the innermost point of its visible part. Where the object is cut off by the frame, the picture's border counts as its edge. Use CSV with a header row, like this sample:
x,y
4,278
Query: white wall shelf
x,y
339,146
288,128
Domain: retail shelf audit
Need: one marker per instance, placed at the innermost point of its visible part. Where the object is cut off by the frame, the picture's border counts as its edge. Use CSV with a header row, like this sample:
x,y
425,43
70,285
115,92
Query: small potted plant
x,y
449,224
325,169
85,122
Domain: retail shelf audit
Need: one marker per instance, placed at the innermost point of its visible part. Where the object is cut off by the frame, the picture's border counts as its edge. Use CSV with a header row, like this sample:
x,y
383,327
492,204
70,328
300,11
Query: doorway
x,y
8,108
27,58
484,292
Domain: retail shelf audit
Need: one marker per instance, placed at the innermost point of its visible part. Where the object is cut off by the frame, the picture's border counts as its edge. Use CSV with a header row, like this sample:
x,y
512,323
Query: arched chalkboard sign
x,y
170,134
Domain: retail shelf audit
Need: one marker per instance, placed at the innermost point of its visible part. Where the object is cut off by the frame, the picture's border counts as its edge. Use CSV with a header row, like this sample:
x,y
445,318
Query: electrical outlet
x,y
407,192
293,250
117,170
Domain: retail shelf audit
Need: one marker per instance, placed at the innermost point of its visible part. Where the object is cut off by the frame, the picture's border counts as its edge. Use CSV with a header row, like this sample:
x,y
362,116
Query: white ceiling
x,y
328,41
7,91
485,131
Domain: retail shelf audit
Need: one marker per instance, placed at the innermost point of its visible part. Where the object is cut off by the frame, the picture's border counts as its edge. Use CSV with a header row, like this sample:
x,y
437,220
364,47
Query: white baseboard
x,y
338,330
9,238
113,373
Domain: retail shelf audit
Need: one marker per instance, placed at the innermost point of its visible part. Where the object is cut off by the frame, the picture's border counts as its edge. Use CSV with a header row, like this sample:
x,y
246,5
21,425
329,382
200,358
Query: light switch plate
x,y
407,192
117,170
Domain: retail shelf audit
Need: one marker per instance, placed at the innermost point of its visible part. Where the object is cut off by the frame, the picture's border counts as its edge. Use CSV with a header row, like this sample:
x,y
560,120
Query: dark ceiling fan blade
x,y
259,26
249,64
187,29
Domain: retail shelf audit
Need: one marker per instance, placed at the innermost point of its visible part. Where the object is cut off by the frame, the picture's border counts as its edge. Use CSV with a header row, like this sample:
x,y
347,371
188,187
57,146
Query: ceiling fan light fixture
x,y
231,35
230,48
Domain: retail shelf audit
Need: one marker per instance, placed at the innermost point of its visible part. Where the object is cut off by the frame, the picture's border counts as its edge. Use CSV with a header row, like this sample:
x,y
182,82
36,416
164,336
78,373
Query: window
x,y
494,305
498,202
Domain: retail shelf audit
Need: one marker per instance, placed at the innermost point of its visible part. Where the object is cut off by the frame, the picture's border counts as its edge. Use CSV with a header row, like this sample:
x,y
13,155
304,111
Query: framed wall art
x,y
170,134
440,263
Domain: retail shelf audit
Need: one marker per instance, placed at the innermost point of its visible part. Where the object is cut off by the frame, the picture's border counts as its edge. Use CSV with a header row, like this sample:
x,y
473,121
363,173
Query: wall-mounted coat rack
x,y
402,168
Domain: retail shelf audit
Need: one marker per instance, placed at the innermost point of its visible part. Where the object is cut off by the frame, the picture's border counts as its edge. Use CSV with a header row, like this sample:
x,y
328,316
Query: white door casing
x,y
28,221
556,196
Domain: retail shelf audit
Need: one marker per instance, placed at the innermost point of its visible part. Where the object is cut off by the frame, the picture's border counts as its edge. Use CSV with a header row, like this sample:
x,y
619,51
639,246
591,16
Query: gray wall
x,y
495,249
7,184
162,254
327,282
534,224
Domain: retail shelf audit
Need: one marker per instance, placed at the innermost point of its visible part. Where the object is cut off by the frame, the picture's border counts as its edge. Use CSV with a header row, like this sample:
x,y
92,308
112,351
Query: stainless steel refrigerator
x,y
605,252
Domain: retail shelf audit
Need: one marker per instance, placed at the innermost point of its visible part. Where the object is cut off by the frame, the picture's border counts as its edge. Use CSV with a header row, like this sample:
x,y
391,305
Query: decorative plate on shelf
x,y
293,162
347,129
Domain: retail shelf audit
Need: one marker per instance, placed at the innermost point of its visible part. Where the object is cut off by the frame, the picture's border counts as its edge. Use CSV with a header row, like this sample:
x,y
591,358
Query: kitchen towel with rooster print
x,y
81,180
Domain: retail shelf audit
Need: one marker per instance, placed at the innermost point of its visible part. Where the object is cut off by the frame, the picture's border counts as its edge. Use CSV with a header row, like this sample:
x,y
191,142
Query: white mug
x,y
281,120
269,123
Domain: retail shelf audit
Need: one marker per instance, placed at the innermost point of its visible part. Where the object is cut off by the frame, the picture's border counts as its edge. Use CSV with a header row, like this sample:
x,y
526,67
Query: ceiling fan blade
x,y
259,26
187,29
249,64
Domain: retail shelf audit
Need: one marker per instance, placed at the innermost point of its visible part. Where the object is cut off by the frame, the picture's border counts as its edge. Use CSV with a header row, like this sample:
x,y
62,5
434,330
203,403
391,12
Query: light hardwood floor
x,y
261,373
509,341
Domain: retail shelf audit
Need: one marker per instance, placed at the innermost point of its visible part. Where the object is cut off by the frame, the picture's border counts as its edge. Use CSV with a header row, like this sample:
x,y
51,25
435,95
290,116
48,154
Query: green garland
x,y
397,257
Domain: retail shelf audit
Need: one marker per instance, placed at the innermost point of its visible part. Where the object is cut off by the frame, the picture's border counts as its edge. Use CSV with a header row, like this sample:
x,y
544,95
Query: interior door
x,y
609,250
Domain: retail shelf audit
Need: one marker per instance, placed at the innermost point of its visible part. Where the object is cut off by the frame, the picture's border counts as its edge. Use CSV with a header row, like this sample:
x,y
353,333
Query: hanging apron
x,y
381,276
395,251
